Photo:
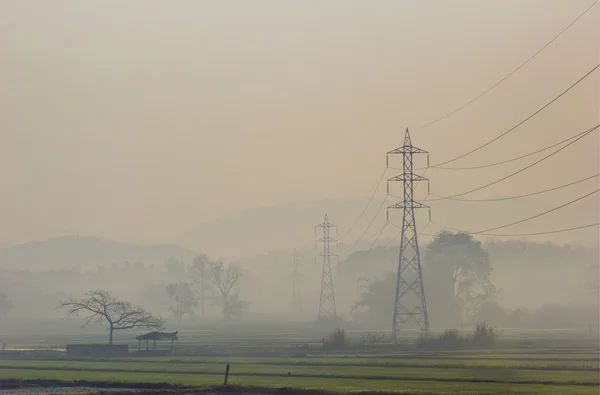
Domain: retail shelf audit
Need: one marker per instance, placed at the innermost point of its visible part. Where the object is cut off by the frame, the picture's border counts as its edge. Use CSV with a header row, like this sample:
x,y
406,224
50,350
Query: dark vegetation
x,y
484,335
337,340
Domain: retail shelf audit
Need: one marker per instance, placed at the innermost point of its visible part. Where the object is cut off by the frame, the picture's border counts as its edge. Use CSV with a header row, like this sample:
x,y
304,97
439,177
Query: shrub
x,y
337,339
485,335
372,338
450,338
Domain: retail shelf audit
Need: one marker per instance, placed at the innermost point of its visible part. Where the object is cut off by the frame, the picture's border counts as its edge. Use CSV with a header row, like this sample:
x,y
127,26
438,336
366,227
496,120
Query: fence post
x,y
226,375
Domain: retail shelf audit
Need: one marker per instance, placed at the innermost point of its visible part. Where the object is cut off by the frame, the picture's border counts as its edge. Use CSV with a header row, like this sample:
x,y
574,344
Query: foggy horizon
x,y
268,197
152,119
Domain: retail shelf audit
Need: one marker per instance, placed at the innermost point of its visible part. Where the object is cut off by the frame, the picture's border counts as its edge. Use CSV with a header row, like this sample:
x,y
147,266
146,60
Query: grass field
x,y
559,362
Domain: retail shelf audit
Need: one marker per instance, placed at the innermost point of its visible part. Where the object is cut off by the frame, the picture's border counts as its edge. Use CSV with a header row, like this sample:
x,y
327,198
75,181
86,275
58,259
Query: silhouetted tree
x,y
183,299
101,306
200,274
456,275
225,277
235,306
465,268
376,298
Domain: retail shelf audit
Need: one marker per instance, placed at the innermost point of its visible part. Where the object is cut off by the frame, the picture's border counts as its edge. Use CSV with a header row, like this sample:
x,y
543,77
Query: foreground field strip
x,y
509,376
330,362
552,357
46,385
338,385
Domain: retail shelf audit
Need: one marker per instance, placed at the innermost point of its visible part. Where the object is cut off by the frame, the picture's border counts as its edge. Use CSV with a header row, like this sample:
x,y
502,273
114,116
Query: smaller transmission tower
x,y
327,299
296,308
410,294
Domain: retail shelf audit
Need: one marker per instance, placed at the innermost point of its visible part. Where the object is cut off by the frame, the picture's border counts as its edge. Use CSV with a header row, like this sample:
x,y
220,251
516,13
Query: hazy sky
x,y
136,120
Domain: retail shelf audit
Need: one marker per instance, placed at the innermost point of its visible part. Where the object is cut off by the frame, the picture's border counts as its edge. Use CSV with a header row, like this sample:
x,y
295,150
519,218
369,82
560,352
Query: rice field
x,y
556,363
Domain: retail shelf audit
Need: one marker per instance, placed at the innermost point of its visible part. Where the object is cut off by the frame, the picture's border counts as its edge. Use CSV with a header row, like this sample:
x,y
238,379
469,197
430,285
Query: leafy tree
x,y
465,269
101,306
456,276
5,305
376,301
236,307
225,277
183,299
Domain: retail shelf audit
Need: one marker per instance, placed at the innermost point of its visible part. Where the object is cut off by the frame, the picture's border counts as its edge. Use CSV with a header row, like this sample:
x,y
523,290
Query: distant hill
x,y
288,226
281,227
85,252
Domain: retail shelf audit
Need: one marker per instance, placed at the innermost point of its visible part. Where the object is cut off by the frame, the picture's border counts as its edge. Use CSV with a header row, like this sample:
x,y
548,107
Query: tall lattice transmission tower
x,y
296,307
410,301
327,299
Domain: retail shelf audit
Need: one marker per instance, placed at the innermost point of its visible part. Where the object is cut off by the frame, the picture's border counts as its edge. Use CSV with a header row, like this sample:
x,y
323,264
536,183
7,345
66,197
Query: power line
x,y
509,74
587,132
484,232
531,234
513,159
544,233
368,203
520,123
518,196
374,241
369,226
537,215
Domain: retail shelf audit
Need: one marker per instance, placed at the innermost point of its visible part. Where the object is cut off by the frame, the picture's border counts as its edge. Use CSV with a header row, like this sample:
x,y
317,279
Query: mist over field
x,y
555,285
139,137
300,197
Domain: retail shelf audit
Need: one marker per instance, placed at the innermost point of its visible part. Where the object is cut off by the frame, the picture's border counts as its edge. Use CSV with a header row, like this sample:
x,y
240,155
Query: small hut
x,y
154,336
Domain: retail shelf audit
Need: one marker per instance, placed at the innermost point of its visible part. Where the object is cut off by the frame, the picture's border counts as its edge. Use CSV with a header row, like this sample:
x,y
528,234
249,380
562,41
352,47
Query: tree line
x,y
205,276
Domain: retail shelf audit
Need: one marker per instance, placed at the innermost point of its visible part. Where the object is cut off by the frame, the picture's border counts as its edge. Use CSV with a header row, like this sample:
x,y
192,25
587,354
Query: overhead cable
x,y
509,74
369,226
587,132
533,233
537,215
517,196
366,206
519,124
485,231
510,160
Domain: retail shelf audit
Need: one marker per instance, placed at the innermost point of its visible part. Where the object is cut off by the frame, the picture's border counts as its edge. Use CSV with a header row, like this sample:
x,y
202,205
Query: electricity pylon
x,y
327,299
410,303
296,308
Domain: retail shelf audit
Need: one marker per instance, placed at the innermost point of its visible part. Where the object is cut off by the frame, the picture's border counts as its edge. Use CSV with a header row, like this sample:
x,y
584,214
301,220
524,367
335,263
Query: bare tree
x,y
102,306
200,274
225,278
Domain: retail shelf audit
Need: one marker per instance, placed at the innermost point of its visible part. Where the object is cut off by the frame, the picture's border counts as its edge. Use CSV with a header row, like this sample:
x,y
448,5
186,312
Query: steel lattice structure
x,y
327,299
410,303
296,307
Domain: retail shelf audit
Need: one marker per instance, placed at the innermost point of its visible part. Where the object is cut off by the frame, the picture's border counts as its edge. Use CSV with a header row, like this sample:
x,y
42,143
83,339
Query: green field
x,y
560,363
